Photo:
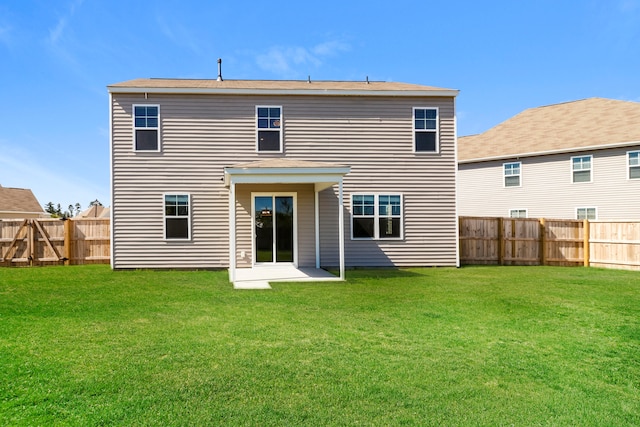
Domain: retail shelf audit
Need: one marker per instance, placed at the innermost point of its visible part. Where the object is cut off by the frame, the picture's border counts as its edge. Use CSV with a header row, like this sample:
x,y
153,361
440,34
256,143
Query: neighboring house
x,y
95,211
19,203
217,174
578,159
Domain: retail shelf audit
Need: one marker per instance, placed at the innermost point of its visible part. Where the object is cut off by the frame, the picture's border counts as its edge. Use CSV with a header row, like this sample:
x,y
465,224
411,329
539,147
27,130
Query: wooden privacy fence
x,y
37,242
561,242
614,244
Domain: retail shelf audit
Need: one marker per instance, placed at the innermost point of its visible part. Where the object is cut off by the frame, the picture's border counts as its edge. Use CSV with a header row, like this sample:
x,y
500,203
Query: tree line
x,y
72,210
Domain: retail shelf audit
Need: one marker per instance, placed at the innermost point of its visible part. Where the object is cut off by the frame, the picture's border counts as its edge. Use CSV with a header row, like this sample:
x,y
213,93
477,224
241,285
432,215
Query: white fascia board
x,y
22,213
317,92
549,152
284,175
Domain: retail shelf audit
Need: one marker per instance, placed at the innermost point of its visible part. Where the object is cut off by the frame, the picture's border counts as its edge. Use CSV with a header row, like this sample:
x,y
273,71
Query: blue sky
x,y
57,57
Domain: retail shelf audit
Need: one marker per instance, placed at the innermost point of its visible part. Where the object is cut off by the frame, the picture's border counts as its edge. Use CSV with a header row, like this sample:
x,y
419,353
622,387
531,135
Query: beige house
x,y
95,211
237,174
19,203
578,159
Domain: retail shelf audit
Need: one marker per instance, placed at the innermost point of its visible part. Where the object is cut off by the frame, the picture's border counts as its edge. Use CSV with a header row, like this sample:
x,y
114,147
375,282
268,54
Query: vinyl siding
x,y
202,134
547,189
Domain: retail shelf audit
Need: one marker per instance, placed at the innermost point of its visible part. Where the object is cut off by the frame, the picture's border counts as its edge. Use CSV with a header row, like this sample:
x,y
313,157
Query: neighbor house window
x,y
269,123
581,168
512,174
376,216
425,130
586,213
517,213
634,164
146,125
176,216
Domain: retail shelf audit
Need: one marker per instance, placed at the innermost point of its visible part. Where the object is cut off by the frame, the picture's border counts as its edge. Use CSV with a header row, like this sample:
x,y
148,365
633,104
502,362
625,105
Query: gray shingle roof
x,y
571,126
266,86
18,200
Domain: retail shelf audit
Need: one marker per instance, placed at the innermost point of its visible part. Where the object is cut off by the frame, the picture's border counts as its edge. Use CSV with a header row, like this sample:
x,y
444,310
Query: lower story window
x,y
634,164
376,216
586,213
517,213
176,216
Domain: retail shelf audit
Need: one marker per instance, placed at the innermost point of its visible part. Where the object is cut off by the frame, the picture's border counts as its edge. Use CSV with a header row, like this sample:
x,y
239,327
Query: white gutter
x,y
22,213
549,152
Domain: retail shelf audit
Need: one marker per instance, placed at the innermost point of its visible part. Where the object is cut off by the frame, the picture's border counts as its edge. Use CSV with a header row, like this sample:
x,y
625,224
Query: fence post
x,y
501,241
31,242
543,242
67,241
586,249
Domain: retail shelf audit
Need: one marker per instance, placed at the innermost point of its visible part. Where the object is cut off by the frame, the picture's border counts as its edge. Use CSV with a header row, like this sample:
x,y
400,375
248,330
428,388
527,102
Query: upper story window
x,y
269,128
376,216
512,174
176,216
581,168
586,213
517,213
425,130
146,125
634,164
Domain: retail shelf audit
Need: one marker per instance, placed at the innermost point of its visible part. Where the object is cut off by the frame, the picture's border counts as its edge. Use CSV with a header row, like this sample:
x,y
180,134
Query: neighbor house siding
x,y
202,134
547,189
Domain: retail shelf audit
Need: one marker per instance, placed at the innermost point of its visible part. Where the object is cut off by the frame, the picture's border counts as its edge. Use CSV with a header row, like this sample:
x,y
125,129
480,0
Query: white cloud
x,y
293,61
19,168
331,48
57,32
180,35
629,5
5,34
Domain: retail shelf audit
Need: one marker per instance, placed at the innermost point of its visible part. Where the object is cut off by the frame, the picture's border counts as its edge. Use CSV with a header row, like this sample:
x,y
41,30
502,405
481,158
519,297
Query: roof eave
x,y
315,92
284,174
549,152
23,212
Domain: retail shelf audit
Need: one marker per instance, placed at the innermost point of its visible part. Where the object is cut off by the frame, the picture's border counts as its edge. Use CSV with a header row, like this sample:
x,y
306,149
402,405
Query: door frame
x,y
273,195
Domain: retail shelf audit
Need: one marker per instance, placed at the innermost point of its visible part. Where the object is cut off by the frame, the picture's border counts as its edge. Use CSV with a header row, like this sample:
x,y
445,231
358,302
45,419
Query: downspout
x,y
341,228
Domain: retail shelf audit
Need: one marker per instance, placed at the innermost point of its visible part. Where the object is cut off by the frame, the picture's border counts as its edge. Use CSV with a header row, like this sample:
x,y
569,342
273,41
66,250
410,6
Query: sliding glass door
x,y
273,218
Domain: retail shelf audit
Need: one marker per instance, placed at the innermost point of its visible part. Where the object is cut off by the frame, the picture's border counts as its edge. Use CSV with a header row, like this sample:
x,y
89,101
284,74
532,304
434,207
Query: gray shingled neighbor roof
x,y
18,200
572,126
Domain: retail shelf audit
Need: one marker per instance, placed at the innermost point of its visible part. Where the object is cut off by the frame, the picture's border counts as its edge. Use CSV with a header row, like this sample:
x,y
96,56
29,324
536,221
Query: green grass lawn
x,y
523,346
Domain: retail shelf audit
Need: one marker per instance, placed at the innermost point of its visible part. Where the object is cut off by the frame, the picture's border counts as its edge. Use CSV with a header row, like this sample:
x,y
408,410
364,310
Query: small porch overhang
x,y
286,171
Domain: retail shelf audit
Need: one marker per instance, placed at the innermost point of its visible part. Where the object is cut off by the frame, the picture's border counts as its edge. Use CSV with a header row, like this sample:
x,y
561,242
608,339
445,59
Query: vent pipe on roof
x,y
367,79
219,69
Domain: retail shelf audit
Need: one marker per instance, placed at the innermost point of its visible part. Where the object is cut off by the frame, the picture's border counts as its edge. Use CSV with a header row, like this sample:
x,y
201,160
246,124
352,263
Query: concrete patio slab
x,y
259,277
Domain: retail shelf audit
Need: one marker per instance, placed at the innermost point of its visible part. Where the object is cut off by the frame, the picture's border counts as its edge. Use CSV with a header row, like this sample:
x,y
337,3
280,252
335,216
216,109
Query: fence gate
x,y
30,243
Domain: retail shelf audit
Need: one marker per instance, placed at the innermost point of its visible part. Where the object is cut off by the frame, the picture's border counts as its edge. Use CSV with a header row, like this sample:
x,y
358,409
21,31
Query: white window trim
x,y
437,130
587,208
377,216
582,170
629,167
164,217
280,130
526,213
504,175
134,127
